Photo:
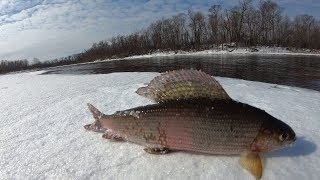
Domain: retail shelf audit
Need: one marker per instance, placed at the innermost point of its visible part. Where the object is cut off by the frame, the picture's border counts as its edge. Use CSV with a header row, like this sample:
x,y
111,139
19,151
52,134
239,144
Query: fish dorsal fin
x,y
183,84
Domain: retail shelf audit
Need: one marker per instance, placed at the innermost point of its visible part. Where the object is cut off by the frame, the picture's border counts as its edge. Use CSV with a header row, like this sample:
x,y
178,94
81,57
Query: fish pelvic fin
x,y
97,115
183,84
157,151
112,136
252,162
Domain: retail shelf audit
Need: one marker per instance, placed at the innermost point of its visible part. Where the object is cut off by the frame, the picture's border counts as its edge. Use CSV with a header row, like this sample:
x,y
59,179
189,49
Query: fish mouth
x,y
291,142
294,139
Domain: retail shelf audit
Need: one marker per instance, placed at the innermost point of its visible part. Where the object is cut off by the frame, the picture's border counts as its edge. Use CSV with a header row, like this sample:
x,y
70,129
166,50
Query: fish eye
x,y
283,136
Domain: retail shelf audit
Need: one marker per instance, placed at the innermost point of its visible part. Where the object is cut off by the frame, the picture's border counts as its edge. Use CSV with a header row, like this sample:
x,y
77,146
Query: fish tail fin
x,y
98,116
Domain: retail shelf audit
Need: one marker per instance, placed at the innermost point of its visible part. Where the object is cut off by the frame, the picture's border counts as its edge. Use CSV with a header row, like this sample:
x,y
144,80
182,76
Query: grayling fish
x,y
194,113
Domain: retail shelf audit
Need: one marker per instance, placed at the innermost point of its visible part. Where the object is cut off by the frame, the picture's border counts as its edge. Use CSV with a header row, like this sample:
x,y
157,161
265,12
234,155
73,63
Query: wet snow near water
x,y
42,134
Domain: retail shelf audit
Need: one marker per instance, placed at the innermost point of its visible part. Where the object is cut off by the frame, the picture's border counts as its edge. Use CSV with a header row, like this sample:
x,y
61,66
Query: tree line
x,y
243,24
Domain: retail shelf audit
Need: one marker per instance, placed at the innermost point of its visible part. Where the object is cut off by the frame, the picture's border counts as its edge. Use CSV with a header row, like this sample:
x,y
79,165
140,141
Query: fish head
x,y
274,134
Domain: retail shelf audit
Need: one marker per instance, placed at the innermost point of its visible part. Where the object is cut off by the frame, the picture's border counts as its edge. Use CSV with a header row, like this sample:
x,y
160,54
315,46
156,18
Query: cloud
x,y
48,29
40,29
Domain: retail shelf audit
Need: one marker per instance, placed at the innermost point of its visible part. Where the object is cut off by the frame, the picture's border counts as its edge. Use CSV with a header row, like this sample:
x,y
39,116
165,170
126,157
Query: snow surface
x,y
263,50
42,134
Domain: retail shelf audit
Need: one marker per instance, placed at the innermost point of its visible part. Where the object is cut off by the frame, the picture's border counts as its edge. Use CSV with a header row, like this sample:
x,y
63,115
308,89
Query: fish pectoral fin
x,y
251,161
113,137
157,151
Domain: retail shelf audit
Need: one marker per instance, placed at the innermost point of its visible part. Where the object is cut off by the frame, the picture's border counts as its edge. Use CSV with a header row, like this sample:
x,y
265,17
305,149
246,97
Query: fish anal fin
x,y
183,84
156,151
252,162
112,136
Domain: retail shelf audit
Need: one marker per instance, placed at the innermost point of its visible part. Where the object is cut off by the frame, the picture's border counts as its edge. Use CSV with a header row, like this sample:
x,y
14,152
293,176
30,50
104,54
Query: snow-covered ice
x,y
42,134
263,50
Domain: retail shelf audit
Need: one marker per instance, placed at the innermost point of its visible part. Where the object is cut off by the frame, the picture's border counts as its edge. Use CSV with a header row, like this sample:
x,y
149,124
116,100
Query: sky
x,y
47,29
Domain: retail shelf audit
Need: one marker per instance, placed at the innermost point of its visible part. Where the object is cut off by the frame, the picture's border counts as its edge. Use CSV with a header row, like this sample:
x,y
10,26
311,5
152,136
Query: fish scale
x,y
201,129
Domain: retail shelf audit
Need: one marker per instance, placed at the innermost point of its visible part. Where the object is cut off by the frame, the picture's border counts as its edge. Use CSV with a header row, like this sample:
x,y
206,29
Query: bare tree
x,y
285,31
214,23
180,32
251,26
270,15
304,26
198,27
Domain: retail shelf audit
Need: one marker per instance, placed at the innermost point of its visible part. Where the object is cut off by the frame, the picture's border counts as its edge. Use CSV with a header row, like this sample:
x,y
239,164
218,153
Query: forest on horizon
x,y
244,24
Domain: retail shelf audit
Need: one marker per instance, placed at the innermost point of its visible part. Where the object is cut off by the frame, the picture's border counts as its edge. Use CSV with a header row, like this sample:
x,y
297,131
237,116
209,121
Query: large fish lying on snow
x,y
194,113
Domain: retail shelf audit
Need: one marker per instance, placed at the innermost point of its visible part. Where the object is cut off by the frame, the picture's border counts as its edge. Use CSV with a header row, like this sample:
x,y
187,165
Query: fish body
x,y
194,113
215,127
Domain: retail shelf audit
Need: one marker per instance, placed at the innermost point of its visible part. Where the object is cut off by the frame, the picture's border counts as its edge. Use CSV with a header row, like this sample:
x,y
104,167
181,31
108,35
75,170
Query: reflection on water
x,y
301,71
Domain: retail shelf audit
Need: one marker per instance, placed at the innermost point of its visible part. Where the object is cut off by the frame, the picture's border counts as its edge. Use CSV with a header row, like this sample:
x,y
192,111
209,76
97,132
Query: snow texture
x,y
238,51
262,50
42,134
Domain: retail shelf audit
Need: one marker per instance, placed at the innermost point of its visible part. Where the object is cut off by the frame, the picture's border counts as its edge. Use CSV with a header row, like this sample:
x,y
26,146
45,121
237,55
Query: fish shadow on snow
x,y
301,147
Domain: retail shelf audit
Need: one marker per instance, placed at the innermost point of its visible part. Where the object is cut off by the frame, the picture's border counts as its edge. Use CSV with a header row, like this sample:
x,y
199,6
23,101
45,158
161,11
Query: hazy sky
x,y
48,29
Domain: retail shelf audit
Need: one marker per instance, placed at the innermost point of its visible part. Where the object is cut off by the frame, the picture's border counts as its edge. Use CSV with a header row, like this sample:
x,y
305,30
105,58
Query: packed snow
x,y
260,50
42,134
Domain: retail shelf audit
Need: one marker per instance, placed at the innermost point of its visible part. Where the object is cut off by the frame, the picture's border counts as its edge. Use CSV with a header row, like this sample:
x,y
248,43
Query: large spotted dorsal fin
x,y
183,84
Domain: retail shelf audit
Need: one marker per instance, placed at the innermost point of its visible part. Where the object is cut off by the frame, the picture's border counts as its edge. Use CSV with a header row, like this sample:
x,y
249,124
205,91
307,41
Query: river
x,y
300,71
